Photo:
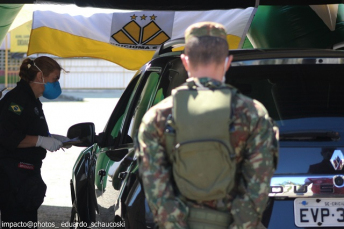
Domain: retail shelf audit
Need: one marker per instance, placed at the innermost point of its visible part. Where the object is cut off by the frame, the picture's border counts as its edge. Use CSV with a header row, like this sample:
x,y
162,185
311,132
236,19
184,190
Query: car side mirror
x,y
82,133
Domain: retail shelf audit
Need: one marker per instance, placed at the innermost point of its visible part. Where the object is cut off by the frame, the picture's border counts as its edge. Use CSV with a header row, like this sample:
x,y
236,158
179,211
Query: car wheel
x,y
74,218
119,221
126,221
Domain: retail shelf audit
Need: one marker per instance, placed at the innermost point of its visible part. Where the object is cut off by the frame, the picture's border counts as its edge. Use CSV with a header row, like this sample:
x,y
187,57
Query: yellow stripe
x,y
232,40
62,44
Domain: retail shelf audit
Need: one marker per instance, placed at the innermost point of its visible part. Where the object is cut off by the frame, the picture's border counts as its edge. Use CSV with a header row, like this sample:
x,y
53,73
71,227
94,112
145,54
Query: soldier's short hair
x,y
206,43
206,50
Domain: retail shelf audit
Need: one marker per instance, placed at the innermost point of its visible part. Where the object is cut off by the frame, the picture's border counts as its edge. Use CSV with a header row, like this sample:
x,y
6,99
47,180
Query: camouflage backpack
x,y
198,141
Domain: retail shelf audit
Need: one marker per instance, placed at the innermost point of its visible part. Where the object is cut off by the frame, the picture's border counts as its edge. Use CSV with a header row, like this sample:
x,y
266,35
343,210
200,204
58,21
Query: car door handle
x,y
102,174
122,175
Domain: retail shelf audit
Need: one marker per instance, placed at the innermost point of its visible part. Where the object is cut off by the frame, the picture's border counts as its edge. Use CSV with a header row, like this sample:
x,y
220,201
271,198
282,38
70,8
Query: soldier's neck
x,y
213,71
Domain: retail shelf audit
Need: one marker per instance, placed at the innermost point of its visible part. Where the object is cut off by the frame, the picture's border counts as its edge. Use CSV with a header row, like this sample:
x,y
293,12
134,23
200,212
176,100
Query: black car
x,y
302,91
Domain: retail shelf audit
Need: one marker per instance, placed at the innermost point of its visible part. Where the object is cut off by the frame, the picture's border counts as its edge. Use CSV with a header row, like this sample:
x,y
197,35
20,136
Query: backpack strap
x,y
170,137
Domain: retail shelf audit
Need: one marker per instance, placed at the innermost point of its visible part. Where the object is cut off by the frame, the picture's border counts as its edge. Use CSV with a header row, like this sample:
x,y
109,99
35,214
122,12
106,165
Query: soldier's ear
x,y
185,61
230,58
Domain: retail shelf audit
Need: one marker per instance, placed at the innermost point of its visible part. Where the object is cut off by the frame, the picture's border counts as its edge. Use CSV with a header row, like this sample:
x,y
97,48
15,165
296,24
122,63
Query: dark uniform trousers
x,y
22,192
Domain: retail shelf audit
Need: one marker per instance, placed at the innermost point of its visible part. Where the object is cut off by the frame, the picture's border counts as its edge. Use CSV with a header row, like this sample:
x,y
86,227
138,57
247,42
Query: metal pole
x,y
6,62
123,77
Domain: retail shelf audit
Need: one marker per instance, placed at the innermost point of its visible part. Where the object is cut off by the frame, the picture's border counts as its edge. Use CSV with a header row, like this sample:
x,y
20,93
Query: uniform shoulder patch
x,y
15,108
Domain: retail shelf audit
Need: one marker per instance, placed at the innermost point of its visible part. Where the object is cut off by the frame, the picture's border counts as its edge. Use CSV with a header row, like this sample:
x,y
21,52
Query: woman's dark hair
x,y
28,69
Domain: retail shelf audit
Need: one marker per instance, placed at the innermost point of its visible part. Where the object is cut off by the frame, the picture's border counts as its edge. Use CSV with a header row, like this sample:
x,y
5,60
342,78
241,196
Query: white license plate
x,y
319,212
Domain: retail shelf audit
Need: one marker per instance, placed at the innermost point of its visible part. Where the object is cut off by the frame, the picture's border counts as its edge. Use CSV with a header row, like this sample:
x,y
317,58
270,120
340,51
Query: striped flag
x,y
127,38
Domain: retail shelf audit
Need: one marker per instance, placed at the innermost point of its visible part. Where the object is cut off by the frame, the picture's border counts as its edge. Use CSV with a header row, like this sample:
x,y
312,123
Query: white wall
x,y
85,73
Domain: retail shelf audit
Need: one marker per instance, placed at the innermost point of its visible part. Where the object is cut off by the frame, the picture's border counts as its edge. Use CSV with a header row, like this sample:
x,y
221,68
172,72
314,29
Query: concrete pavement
x,y
71,108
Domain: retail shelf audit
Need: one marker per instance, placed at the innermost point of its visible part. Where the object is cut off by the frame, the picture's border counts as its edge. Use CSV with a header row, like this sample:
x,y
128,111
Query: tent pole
x,y
6,62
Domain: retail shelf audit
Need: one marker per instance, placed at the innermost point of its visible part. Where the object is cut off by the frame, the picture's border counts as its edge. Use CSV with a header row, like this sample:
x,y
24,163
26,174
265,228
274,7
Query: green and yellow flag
x,y
15,108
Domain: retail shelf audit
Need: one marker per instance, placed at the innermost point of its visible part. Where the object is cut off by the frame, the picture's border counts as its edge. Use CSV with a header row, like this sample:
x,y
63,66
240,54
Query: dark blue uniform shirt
x,y
21,114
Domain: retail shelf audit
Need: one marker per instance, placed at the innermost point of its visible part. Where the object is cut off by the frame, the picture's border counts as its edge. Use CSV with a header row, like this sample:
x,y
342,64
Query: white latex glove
x,y
49,143
62,139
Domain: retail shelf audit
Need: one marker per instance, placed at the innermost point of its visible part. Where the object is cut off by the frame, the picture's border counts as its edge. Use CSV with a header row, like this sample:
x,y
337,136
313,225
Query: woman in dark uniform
x,y
25,139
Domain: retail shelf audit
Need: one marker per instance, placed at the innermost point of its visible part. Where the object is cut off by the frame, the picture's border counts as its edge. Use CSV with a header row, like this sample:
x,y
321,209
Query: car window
x,y
156,89
174,76
120,123
148,89
115,123
143,102
139,104
296,96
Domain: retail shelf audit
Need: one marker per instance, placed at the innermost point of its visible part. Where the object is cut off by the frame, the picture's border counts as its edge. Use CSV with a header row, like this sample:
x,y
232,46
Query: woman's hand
x,y
49,143
62,139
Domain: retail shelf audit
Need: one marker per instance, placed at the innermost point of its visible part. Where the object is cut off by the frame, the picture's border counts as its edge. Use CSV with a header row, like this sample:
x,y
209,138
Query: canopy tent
x,y
177,5
297,26
8,12
281,23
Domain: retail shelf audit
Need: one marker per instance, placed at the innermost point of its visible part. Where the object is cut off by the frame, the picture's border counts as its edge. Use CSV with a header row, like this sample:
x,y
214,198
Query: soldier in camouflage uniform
x,y
253,136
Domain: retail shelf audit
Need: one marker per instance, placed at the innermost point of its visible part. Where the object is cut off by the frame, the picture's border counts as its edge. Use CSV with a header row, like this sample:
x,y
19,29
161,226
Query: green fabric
x,y
293,27
247,44
205,218
202,158
8,13
340,15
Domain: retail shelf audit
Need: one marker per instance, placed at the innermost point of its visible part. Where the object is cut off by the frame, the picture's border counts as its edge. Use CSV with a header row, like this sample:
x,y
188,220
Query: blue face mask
x,y
52,90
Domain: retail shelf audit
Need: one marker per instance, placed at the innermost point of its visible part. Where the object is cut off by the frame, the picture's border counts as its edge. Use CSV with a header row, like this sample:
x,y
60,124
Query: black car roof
x,y
253,54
